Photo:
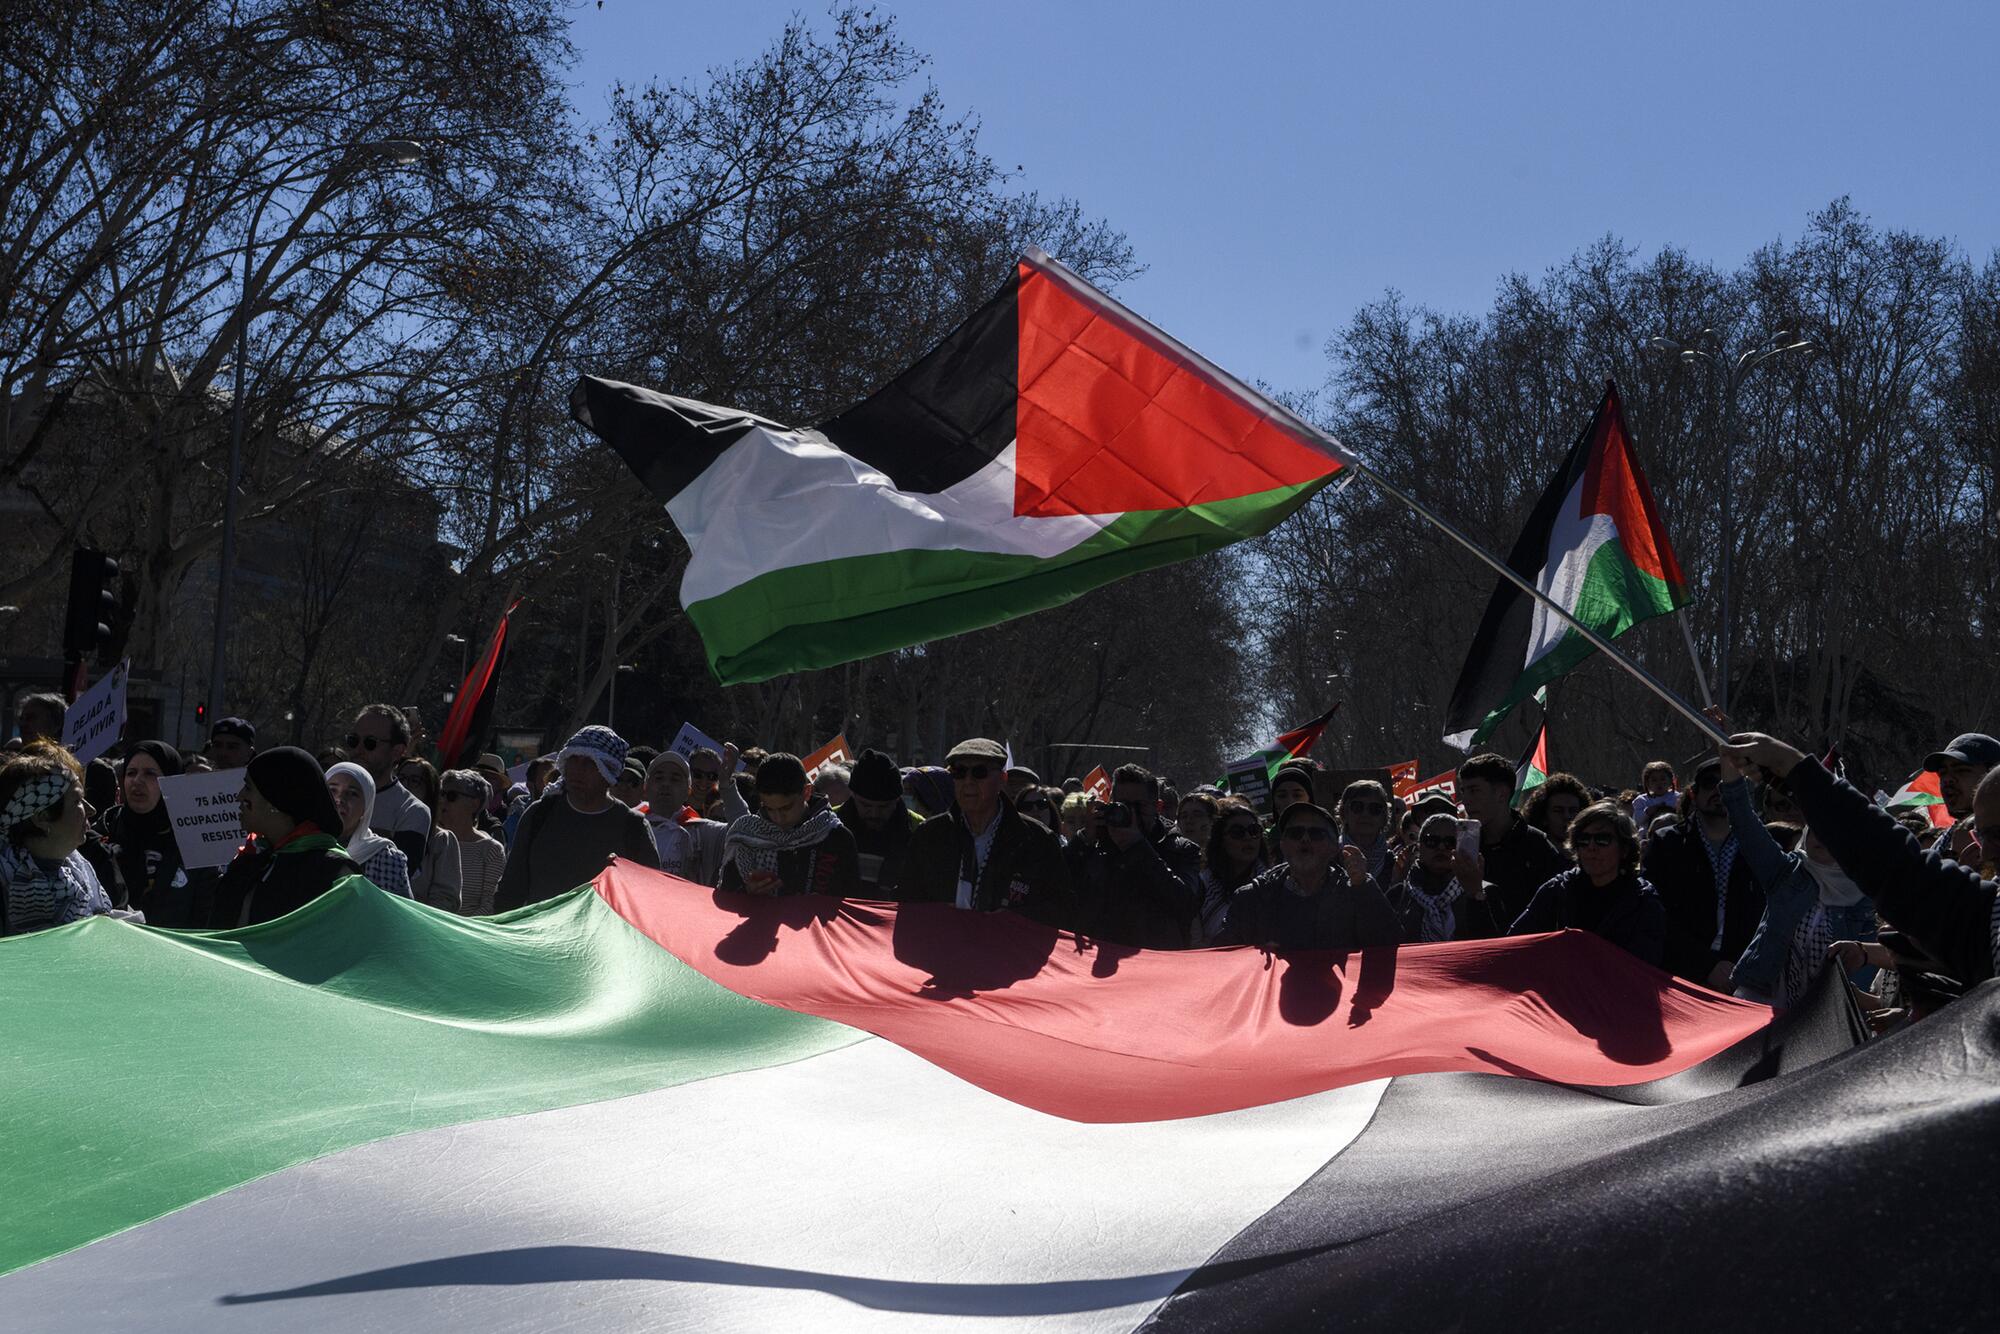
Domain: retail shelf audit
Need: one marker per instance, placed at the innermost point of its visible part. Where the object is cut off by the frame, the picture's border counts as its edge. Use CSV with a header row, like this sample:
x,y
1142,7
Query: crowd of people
x,y
1750,880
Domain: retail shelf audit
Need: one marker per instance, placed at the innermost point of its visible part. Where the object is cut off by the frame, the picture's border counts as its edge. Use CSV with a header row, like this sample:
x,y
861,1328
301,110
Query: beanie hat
x,y
601,746
292,781
875,777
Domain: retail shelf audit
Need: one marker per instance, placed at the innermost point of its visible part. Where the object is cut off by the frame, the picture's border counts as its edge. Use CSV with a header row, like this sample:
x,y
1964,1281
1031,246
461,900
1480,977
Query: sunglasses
x,y
1366,807
1312,833
1438,841
1031,805
356,741
1593,840
454,794
976,772
1241,831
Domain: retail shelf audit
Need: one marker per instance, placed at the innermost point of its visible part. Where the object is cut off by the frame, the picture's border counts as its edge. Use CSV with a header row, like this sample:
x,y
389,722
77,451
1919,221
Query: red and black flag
x,y
471,715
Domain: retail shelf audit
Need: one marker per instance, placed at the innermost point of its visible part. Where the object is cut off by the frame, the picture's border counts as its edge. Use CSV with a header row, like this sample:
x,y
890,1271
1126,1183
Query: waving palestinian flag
x,y
645,1105
1052,443
1595,545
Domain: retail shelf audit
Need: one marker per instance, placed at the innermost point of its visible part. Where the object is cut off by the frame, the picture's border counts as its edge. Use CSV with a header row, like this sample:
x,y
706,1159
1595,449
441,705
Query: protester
x,y
1074,815
1019,779
462,797
493,770
293,853
1306,902
140,837
1659,790
1292,783
540,773
881,822
381,861
573,831
784,848
1364,821
380,739
1518,858
696,841
981,854
1604,892
40,718
630,785
1712,902
928,791
1959,767
705,770
231,743
1946,906
1551,807
1136,881
1443,896
441,880
1236,856
1809,903
831,782
1038,804
1194,818
44,880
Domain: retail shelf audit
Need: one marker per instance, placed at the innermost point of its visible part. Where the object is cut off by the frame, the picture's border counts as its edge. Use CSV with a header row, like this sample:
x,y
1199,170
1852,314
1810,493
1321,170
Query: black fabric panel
x,y
951,414
1859,1192
667,441
1500,645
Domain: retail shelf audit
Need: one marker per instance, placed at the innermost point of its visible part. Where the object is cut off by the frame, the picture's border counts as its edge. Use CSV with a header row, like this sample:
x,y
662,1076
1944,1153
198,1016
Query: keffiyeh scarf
x,y
754,843
41,895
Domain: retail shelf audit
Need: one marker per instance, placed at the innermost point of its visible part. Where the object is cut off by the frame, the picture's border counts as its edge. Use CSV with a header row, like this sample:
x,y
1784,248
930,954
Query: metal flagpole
x,y
1597,641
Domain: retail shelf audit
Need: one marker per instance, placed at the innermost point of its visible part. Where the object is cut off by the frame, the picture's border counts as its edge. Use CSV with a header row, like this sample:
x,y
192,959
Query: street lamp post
x,y
401,152
1733,372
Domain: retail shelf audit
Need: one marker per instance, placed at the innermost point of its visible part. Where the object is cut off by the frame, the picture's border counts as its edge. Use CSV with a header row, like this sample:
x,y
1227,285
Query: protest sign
x,y
1250,779
1403,777
833,752
1444,784
691,739
1098,784
97,719
203,811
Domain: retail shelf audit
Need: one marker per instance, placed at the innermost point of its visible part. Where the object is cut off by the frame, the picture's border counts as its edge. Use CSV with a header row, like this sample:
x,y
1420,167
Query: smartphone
x,y
1468,837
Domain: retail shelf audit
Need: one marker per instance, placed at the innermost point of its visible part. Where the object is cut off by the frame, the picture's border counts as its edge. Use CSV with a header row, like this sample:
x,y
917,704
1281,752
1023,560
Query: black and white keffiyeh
x,y
754,843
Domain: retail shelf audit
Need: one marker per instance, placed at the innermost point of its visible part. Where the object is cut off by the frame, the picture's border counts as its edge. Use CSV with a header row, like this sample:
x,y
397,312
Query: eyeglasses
x,y
1593,840
356,740
1312,833
1438,841
1241,831
976,772
1366,807
1031,805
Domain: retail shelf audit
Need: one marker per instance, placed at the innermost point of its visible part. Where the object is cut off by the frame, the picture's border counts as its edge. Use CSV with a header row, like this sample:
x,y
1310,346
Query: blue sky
x,y
1279,165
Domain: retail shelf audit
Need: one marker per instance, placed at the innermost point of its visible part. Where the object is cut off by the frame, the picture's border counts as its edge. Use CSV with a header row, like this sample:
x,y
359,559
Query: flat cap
x,y
977,748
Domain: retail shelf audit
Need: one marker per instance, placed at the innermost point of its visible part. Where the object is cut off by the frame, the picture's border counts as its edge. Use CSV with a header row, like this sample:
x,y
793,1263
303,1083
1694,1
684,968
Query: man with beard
x,y
881,823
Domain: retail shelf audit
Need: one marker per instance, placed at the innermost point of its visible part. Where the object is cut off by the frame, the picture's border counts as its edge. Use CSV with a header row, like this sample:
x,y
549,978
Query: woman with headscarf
x,y
44,880
1809,903
140,838
293,853
353,793
928,791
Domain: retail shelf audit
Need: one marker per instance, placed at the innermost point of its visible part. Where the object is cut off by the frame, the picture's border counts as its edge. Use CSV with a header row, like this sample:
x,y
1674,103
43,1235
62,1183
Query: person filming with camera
x,y
1137,881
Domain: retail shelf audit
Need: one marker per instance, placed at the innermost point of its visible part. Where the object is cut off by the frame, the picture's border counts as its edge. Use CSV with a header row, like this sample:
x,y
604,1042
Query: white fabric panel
x,y
863,1189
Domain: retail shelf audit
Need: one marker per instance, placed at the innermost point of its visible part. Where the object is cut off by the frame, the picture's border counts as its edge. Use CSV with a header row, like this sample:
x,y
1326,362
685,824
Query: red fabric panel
x,y
1613,484
1106,1033
1111,421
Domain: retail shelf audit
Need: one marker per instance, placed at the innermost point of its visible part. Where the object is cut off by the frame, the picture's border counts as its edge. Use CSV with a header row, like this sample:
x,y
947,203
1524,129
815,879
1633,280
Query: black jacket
x,y
888,846
281,882
1471,919
1680,872
1625,912
1944,905
1024,869
827,867
1144,896
1518,864
1341,916
156,883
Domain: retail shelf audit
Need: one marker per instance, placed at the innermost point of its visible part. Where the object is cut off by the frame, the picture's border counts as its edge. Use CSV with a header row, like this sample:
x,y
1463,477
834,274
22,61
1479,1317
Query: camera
x,y
1117,815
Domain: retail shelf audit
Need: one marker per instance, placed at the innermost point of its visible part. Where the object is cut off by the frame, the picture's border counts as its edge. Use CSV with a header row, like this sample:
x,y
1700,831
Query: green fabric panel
x,y
1616,595
146,1069
836,611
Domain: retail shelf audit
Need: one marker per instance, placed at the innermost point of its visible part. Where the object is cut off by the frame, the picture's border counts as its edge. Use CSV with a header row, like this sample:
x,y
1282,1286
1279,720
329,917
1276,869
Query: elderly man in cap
x,y
231,743
572,832
981,854
1310,901
1959,767
881,822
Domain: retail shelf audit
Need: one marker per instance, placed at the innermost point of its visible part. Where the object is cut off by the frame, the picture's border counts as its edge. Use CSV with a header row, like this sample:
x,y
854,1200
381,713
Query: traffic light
x,y
93,605
201,717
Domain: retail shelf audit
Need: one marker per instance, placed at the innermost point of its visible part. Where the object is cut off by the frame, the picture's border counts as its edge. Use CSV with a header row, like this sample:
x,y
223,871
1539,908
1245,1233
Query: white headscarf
x,y
366,842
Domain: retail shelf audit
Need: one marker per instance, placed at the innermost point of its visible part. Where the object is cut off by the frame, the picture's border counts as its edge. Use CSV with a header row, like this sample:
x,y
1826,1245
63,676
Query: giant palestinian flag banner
x,y
1052,443
1594,544
649,1105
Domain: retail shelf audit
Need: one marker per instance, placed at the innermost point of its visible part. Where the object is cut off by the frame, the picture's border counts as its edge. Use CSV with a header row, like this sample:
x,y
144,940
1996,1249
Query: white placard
x,y
203,810
97,719
691,739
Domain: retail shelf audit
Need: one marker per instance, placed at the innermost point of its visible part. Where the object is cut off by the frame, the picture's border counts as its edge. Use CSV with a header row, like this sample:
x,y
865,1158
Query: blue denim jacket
x,y
1789,894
